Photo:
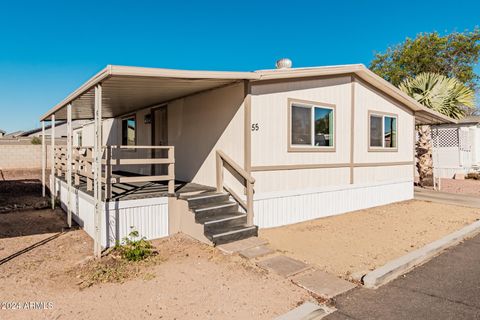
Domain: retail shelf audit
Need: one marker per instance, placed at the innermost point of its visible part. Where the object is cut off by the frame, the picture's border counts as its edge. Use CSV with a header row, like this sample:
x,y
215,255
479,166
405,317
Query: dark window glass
x,y
323,127
376,134
390,132
128,131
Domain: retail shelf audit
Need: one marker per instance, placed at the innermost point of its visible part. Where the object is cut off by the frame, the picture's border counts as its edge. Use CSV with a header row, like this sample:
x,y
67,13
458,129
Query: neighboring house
x,y
60,129
456,147
313,142
13,135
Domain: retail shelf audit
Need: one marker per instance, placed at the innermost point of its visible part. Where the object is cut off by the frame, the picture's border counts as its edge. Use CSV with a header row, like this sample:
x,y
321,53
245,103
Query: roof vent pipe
x,y
284,63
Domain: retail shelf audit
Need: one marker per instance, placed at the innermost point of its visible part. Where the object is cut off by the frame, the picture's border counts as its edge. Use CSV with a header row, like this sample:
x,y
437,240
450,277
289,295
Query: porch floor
x,y
143,190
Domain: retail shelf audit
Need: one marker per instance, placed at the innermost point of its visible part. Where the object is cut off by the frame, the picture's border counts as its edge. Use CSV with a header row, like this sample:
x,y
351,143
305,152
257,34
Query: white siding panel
x,y
273,210
148,216
151,220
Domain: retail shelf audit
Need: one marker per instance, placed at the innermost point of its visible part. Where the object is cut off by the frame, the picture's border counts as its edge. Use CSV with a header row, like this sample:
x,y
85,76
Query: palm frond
x,y
446,95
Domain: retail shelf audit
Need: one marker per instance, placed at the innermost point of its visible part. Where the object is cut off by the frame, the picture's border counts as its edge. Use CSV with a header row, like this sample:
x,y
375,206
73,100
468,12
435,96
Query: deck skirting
x,y
283,208
148,216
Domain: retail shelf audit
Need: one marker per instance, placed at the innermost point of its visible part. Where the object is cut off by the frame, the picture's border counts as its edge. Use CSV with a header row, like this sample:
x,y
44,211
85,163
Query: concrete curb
x,y
402,265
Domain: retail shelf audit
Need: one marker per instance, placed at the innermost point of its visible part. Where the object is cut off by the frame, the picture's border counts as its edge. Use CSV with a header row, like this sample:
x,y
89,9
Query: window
x,y
128,131
312,125
383,131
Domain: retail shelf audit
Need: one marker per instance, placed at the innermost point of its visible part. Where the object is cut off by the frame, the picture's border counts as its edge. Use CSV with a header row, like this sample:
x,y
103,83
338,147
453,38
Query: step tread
x,y
221,217
213,205
203,195
219,232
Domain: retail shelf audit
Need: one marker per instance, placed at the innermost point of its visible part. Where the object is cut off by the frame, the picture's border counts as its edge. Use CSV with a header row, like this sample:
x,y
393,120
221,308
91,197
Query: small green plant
x,y
135,248
36,140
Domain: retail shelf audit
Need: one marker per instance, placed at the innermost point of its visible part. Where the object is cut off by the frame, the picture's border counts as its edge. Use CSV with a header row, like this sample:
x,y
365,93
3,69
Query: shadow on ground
x,y
22,210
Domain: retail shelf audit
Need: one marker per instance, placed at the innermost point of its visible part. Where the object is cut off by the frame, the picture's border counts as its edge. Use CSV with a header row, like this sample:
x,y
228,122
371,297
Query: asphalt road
x,y
447,287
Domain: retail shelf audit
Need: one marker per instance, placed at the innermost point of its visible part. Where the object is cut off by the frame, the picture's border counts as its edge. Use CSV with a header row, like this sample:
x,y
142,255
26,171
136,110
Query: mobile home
x,y
217,155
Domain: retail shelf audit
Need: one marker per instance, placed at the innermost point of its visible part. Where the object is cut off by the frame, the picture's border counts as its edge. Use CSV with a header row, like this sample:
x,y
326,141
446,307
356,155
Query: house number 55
x,y
255,127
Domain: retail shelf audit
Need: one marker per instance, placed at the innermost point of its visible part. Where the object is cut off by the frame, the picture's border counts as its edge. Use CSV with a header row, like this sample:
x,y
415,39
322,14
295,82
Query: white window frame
x,y
382,115
310,105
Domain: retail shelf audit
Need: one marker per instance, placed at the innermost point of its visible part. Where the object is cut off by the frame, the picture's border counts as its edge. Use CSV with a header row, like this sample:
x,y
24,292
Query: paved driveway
x,y
447,198
447,287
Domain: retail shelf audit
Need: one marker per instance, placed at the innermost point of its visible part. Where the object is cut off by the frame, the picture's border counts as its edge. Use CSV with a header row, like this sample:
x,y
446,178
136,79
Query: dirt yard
x,y
21,195
364,240
466,186
189,281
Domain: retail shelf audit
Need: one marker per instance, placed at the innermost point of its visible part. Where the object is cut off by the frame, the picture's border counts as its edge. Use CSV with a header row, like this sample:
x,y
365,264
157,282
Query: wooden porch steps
x,y
221,219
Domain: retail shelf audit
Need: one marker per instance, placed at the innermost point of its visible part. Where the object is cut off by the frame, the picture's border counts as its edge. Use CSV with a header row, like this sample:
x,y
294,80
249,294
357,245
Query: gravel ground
x,y
363,240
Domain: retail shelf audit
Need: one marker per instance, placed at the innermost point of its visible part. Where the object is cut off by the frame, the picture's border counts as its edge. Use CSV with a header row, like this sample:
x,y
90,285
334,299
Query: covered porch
x,y
116,176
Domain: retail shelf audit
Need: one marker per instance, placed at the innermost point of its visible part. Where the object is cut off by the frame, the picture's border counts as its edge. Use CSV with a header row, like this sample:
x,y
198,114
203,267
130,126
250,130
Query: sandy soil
x,y
193,281
467,186
366,239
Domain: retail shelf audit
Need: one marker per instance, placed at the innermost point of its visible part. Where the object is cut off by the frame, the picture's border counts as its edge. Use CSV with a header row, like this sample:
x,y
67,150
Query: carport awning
x,y
127,89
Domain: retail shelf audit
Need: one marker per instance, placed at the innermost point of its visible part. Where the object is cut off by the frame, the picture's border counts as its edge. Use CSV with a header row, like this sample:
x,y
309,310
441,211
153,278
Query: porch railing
x,y
82,165
224,161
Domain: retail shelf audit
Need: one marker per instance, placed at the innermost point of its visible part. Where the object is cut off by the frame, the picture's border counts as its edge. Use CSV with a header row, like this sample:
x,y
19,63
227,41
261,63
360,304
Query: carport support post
x,y
52,161
43,159
97,170
69,165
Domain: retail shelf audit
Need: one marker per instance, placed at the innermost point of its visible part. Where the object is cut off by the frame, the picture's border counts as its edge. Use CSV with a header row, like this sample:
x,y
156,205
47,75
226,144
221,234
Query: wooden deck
x,y
144,190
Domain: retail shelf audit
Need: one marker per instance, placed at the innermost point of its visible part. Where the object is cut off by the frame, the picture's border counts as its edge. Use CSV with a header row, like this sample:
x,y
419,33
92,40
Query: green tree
x,y
446,95
453,55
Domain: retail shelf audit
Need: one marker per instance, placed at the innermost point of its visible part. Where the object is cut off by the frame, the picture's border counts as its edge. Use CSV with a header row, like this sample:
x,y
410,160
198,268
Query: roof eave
x,y
126,71
97,78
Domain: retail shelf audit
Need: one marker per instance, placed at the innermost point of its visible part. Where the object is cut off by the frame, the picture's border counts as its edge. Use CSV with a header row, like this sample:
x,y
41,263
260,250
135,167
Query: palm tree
x,y
446,95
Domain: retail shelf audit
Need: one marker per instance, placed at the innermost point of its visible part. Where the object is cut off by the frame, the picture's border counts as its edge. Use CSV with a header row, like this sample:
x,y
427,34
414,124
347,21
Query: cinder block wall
x,y
22,156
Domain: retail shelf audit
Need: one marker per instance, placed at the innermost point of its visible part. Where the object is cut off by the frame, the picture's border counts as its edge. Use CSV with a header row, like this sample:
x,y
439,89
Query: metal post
x,y
43,158
52,161
97,167
69,165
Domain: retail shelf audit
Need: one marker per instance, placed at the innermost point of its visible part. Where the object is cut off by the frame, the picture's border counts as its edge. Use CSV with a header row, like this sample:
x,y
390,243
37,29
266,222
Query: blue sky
x,y
49,48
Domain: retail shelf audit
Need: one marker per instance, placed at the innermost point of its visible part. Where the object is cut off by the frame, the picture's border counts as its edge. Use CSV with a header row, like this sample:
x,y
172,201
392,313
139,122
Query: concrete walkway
x,y
317,282
447,287
447,198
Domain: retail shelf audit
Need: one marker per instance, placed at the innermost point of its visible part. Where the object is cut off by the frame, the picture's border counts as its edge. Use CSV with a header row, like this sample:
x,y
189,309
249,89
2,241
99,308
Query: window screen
x,y
301,125
376,131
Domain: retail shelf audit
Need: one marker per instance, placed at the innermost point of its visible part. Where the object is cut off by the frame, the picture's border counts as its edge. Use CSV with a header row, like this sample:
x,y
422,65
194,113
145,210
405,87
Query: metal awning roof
x,y
127,89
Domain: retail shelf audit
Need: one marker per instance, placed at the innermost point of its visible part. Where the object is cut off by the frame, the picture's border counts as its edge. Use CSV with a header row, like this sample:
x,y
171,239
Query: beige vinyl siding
x,y
270,110
88,133
367,175
367,99
203,123
198,125
283,180
269,144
